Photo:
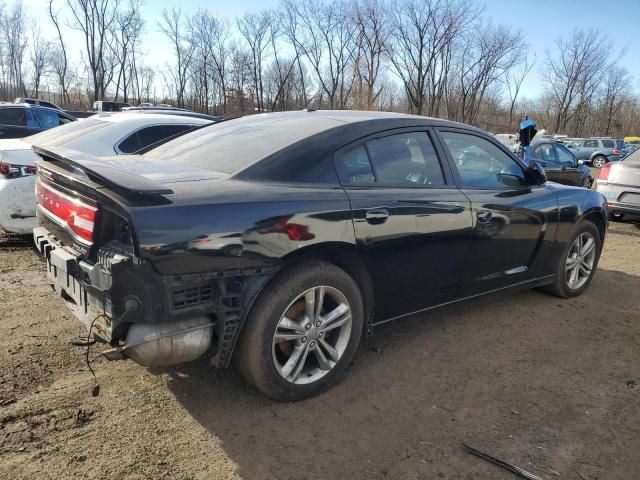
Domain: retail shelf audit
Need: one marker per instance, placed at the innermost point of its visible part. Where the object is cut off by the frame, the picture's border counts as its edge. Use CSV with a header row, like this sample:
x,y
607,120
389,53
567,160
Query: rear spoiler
x,y
102,173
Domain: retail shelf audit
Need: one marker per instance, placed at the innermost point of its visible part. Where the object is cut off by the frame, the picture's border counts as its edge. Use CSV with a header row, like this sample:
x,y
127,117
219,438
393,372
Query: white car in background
x,y
100,135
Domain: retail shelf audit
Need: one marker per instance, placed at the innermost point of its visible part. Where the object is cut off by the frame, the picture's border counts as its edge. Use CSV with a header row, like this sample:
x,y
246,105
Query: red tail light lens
x,y
10,170
75,215
604,172
616,152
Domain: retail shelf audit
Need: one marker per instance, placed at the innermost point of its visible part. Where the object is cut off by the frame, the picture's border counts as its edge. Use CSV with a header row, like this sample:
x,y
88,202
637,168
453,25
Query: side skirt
x,y
526,285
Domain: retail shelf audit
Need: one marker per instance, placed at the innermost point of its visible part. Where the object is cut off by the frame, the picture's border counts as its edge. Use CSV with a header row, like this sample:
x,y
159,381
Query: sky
x,y
541,21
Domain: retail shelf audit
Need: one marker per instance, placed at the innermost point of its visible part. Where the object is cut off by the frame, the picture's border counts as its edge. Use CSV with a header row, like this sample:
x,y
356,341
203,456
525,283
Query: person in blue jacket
x,y
526,133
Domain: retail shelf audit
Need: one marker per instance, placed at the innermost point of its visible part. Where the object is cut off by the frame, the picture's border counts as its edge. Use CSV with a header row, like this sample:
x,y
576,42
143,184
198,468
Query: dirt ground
x,y
550,385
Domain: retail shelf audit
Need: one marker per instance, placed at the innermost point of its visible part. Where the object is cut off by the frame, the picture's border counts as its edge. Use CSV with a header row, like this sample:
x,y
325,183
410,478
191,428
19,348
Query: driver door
x,y
513,220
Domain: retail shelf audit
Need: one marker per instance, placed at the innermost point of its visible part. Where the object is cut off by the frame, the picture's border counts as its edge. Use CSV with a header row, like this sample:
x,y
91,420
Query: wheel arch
x,y
343,255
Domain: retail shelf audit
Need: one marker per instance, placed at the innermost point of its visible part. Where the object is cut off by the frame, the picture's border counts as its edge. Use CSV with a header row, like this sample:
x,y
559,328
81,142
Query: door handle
x,y
377,215
484,216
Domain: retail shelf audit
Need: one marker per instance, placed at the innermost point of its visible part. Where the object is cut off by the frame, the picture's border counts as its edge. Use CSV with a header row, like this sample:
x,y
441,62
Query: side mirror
x,y
536,172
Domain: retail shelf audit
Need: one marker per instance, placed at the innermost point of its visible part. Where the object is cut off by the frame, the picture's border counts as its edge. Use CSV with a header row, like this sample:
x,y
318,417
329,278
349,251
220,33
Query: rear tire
x,y
302,332
599,161
578,262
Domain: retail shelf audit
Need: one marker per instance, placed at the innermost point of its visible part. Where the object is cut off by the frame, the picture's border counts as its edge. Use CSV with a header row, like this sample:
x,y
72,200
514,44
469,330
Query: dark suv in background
x,y
597,151
22,120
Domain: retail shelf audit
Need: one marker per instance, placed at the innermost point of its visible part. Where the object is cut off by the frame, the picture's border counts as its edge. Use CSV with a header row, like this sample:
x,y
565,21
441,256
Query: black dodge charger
x,y
277,241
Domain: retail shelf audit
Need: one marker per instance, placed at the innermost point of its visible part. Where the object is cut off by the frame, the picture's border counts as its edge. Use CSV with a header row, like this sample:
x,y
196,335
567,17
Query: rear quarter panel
x,y
223,225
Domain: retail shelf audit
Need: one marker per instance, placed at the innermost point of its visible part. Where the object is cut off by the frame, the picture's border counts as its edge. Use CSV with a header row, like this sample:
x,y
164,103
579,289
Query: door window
x,y
13,116
565,157
591,144
608,144
545,152
148,136
355,166
482,164
405,159
47,118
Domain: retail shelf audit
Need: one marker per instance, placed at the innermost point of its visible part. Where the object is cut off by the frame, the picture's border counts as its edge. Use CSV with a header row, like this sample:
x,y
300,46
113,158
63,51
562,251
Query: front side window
x,y
405,159
545,152
481,164
565,157
47,118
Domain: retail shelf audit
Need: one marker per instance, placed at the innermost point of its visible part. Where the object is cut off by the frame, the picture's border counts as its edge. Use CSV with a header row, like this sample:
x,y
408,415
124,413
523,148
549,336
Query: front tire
x,y
599,161
302,332
578,262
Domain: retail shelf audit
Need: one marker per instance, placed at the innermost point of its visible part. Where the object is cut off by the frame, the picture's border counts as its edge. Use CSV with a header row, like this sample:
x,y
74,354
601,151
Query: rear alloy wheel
x,y
302,331
578,262
599,161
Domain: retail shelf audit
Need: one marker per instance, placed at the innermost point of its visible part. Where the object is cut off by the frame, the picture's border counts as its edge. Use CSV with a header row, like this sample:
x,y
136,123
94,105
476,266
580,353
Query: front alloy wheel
x,y
312,335
580,261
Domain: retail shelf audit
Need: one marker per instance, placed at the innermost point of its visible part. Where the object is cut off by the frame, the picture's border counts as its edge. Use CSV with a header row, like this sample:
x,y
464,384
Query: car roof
x,y
120,117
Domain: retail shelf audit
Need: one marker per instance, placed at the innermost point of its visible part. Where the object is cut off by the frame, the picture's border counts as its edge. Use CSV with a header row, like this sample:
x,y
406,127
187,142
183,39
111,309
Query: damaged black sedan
x,y
277,241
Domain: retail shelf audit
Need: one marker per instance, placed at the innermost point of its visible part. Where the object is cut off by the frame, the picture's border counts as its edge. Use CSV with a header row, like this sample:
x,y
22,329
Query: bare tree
x,y
423,34
59,58
172,27
371,23
14,41
127,31
574,72
514,82
39,58
96,19
617,83
255,28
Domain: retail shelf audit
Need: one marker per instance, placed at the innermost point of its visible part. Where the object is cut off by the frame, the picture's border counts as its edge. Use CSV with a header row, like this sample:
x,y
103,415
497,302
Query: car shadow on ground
x,y
511,374
11,241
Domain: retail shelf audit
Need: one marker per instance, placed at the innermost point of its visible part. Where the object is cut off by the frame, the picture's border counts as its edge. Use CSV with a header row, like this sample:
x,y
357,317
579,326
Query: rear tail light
x,y
76,216
616,151
9,170
604,172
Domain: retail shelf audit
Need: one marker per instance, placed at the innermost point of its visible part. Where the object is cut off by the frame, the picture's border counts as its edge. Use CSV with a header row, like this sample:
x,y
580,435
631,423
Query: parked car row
x,y
101,135
276,242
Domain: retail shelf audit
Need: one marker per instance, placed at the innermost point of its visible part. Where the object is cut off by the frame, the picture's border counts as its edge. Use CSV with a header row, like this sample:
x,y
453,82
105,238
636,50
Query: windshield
x,y
64,134
233,145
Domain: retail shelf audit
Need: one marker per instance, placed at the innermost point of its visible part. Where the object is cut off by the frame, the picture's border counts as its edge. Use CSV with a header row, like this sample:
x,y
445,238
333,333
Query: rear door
x,y
411,222
14,123
514,221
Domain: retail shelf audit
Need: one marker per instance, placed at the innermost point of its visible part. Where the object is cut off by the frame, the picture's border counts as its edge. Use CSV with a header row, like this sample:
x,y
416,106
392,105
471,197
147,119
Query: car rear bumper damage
x,y
88,290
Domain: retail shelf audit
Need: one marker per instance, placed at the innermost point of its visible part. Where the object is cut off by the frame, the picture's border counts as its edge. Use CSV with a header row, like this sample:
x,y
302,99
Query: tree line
x,y
438,58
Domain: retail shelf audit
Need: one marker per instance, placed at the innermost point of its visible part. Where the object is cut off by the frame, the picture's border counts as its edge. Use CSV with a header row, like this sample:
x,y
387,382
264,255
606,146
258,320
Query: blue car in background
x,y
597,151
22,120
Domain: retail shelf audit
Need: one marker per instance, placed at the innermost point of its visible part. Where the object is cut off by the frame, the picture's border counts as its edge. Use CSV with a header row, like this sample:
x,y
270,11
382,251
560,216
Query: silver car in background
x,y
619,182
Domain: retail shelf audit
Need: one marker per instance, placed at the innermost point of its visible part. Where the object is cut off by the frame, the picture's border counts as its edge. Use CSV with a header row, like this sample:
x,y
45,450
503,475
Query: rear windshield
x,y
233,145
633,159
64,134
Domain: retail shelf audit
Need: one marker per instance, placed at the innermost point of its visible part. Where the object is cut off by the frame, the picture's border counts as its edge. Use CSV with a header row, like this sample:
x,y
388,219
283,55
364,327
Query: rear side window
x,y
591,144
148,136
608,144
482,164
49,118
13,116
404,159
